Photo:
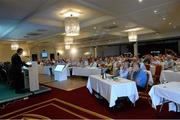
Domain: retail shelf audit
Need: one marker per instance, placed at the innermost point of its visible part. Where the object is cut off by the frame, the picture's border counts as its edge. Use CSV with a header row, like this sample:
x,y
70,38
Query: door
x,y
52,57
34,57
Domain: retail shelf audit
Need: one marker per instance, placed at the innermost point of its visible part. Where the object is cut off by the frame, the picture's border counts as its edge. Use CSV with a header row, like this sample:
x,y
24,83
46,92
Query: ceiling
x,y
101,21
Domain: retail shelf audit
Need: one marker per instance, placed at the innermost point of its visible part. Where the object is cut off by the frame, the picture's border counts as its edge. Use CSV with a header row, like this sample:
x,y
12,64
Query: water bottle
x,y
175,68
104,76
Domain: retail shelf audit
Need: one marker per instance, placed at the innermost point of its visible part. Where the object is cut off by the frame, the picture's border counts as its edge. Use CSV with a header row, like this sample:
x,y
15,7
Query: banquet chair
x,y
158,70
143,94
147,66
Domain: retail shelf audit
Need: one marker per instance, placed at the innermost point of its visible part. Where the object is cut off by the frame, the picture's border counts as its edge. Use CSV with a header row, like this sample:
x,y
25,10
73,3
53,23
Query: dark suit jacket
x,y
17,64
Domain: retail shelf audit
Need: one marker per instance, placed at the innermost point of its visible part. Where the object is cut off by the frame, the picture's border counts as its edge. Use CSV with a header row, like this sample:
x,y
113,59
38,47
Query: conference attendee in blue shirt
x,y
123,72
139,76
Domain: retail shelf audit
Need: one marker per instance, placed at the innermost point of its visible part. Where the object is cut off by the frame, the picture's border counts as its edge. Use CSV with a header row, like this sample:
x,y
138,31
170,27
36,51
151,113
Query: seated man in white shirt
x,y
85,62
155,61
94,63
123,72
80,63
169,63
74,62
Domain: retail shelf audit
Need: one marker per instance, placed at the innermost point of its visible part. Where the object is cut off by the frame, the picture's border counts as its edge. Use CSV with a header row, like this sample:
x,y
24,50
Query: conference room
x,y
89,59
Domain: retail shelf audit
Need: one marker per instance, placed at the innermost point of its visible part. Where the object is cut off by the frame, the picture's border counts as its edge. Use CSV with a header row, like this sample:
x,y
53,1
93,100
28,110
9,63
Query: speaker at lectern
x,y
60,72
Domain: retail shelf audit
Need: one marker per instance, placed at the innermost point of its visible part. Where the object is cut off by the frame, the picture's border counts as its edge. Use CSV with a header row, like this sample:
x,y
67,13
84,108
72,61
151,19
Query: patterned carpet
x,y
79,104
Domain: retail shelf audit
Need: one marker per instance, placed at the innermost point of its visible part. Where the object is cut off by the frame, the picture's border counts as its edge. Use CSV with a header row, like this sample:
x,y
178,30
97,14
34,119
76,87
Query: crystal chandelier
x,y
67,46
132,36
14,46
68,40
72,26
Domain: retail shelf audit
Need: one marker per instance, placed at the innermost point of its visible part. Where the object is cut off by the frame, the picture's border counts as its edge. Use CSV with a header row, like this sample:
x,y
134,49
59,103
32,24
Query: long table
x,y
112,89
45,69
169,76
163,92
85,71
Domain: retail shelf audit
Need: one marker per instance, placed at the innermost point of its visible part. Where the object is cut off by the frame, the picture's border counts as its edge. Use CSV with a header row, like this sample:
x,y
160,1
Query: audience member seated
x,y
155,61
123,73
85,62
109,66
93,63
80,63
169,63
138,75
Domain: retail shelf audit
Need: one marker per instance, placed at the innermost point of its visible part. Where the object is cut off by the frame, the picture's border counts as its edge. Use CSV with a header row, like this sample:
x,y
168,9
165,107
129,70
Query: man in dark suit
x,y
16,71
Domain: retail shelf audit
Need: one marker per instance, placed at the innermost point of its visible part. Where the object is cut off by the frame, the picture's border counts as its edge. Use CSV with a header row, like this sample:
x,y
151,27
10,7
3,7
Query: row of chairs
x,y
5,73
156,76
144,94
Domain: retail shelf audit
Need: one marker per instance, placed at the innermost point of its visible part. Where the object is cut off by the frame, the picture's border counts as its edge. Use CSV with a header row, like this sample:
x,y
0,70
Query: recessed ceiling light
x,y
155,11
126,26
170,23
163,18
140,1
114,23
94,28
157,33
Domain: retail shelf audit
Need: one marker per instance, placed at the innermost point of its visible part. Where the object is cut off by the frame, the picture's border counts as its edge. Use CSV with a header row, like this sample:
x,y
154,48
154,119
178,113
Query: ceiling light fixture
x,y
68,40
132,36
174,27
73,51
140,1
60,52
157,33
14,46
134,29
114,23
67,46
170,23
72,26
71,23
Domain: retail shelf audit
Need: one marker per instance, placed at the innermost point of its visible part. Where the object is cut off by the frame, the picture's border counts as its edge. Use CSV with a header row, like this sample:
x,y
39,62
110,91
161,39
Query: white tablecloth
x,y
111,90
169,76
45,69
169,91
86,71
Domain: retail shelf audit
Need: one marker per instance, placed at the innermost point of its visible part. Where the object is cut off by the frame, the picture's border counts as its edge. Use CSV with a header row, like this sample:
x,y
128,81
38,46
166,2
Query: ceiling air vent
x,y
42,30
110,27
26,36
44,42
34,34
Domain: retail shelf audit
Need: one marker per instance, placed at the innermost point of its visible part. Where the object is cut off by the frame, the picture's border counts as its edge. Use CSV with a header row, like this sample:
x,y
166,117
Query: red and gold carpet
x,y
78,104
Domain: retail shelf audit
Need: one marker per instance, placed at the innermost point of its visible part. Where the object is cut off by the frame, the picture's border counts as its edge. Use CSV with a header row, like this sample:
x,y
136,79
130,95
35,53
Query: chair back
x,y
158,69
147,81
144,94
147,66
